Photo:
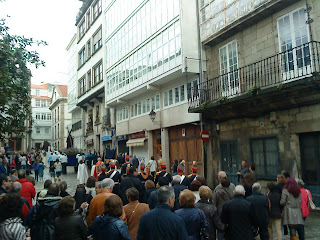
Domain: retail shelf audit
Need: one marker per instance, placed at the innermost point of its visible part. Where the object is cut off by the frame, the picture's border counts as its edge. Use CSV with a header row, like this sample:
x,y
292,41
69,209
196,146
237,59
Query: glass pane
x,y
170,97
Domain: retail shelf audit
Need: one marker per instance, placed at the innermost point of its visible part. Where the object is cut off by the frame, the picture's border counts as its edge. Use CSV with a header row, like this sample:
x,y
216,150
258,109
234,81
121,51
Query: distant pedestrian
x,y
58,169
64,163
152,164
82,174
193,217
238,215
281,181
260,206
291,202
109,223
35,167
243,171
52,171
171,227
41,168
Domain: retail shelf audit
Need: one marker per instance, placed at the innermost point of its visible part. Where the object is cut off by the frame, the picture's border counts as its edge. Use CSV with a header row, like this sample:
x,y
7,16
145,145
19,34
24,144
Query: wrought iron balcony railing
x,y
290,65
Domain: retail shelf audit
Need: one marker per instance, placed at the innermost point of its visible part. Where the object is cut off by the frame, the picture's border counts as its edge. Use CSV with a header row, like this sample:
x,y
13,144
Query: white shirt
x,y
64,159
153,165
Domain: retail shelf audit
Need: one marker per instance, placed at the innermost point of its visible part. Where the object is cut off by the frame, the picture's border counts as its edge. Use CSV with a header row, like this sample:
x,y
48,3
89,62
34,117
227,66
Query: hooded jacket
x,y
12,228
114,228
27,190
43,218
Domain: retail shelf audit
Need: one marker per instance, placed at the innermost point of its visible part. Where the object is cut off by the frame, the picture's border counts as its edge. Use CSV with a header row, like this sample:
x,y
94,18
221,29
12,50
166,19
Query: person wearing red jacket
x,y
16,188
27,190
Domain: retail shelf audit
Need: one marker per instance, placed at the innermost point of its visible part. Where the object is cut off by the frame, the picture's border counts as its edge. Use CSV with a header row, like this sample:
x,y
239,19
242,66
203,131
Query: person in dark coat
x,y
124,167
69,225
172,226
260,207
274,210
44,213
177,189
109,225
150,187
135,161
192,217
184,180
163,173
238,215
153,198
210,211
281,181
130,181
115,176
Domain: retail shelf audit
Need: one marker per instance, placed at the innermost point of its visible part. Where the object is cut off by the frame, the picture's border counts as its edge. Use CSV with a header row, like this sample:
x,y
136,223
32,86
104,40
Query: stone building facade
x,y
261,100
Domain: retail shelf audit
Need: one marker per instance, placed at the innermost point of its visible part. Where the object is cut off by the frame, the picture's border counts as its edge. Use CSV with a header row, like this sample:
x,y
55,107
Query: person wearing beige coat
x,y
291,202
134,211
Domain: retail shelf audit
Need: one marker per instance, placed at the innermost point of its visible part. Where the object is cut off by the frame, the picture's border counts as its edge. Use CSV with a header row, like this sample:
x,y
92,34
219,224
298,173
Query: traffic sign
x,y
205,136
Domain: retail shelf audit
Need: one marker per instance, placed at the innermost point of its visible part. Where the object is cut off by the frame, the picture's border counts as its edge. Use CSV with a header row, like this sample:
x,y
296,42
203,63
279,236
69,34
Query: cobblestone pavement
x,y
312,229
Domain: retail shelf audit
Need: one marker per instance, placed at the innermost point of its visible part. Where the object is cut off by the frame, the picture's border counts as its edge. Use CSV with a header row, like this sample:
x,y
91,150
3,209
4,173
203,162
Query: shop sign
x,y
108,135
89,141
137,135
122,137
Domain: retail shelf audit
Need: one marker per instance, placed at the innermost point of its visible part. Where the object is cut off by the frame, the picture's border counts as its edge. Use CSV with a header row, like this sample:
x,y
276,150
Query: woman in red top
x,y
304,206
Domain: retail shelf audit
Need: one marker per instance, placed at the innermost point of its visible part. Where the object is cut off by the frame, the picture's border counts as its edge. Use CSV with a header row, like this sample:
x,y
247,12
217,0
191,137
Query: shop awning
x,y
136,142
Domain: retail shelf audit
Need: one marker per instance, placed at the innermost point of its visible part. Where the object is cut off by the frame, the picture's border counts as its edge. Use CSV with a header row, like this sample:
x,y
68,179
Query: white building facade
x,y
61,118
77,114
152,61
90,76
41,114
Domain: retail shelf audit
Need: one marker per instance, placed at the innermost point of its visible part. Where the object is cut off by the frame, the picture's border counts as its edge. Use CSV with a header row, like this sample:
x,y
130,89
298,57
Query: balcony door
x,y
229,69
293,35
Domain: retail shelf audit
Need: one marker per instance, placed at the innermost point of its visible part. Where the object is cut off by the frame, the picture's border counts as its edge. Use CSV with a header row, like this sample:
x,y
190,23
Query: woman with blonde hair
x,y
210,211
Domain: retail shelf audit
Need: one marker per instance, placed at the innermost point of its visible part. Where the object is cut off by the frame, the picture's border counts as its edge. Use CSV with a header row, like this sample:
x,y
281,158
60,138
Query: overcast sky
x,y
50,20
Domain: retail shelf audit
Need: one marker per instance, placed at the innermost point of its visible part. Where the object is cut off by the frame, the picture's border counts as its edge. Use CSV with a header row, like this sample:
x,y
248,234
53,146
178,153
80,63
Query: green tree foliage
x,y
15,101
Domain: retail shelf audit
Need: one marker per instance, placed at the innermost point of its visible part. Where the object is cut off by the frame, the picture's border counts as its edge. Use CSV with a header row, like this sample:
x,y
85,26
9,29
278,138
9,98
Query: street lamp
x,y
152,116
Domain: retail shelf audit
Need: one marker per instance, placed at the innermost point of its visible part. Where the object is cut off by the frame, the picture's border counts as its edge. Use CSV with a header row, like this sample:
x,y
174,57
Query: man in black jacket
x,y
43,214
260,207
128,182
239,217
177,189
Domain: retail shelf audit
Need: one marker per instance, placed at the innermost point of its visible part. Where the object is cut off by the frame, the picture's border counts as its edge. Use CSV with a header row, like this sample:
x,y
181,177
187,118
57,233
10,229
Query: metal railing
x,y
290,65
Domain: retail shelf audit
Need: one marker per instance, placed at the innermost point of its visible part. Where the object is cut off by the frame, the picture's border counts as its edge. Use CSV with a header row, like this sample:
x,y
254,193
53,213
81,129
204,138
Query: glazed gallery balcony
x,y
285,80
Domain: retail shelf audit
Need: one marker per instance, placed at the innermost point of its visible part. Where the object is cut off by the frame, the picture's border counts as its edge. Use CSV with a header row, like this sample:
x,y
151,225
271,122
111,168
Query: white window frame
x,y
172,91
287,72
38,103
228,71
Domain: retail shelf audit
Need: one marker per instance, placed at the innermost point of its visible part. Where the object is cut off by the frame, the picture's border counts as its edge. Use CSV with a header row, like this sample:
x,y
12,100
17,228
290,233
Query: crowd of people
x,y
134,199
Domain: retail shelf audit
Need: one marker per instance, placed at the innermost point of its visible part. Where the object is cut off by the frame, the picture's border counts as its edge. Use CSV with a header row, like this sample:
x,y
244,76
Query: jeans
x,y
220,235
277,226
24,167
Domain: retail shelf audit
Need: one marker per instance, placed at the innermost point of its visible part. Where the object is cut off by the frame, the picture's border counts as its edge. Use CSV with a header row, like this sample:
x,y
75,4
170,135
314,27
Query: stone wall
x,y
286,125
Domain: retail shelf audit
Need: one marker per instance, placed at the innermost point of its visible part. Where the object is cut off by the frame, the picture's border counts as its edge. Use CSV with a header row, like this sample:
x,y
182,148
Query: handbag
x,y
310,203
203,231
